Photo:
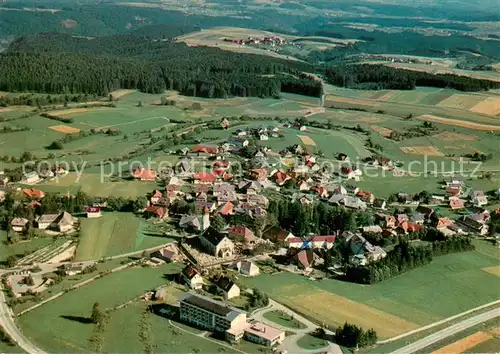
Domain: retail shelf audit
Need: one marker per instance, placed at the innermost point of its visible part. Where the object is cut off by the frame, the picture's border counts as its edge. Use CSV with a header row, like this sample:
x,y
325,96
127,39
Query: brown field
x,y
489,106
458,123
464,344
450,136
64,129
461,101
120,93
386,132
495,270
422,150
67,112
307,140
332,99
384,95
334,310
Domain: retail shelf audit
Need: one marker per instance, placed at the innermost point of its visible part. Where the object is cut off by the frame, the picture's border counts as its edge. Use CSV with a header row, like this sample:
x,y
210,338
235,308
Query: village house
x,y
277,234
71,269
2,196
314,242
224,123
380,204
19,224
242,233
144,174
227,288
226,209
478,198
250,187
304,199
280,177
30,178
192,277
196,222
224,192
156,211
321,191
443,223
376,229
169,253
354,203
362,251
455,203
259,174
427,211
247,268
155,197
33,193
204,178
387,221
474,223
202,149
408,226
366,197
303,258
258,199
216,243
418,218
264,334
93,212
62,222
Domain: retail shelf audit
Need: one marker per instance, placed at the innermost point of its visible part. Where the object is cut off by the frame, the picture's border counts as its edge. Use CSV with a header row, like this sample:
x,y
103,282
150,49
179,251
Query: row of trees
x,y
352,336
378,77
404,257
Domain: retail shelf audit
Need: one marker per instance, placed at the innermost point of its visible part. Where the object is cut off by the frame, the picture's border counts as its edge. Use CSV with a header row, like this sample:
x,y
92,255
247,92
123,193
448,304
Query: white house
x,y
30,178
94,212
247,268
192,277
19,224
227,288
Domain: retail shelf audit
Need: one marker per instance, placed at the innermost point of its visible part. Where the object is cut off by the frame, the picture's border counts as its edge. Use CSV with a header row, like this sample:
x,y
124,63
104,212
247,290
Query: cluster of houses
x,y
62,222
272,41
33,177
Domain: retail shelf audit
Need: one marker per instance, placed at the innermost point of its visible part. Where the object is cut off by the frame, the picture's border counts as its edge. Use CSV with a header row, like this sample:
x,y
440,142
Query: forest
x,y
62,64
379,77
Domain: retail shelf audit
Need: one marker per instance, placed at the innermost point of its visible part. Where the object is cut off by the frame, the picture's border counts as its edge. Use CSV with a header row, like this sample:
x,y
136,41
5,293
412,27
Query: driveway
x,y
290,342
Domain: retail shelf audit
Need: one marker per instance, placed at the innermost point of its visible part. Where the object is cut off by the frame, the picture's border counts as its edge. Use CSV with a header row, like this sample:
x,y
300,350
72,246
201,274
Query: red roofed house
x,y
365,196
33,193
155,196
226,209
205,149
19,224
192,277
321,191
144,174
258,174
456,203
348,172
243,232
280,177
221,164
443,223
453,191
156,211
305,258
94,212
407,226
204,178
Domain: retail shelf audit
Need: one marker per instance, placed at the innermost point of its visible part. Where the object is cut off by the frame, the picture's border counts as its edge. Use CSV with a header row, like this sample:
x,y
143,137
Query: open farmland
x,y
62,325
458,123
395,305
114,234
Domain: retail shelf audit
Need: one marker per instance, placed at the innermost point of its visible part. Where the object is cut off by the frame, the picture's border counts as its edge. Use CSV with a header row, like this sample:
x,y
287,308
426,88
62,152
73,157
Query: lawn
x,y
60,325
393,306
113,234
310,342
7,348
22,247
282,319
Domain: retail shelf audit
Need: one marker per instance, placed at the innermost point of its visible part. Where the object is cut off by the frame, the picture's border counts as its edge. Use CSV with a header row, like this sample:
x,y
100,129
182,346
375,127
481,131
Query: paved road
x,y
9,326
290,343
449,331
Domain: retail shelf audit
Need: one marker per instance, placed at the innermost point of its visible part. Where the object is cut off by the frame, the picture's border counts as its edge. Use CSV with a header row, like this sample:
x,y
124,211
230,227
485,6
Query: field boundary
x,y
496,302
458,123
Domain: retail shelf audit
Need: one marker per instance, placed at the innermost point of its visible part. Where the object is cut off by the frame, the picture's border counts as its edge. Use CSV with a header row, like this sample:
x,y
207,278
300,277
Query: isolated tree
x,y
139,104
29,280
55,145
97,316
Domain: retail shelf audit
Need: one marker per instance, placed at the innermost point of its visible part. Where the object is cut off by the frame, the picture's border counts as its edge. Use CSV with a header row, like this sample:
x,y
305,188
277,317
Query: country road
x,y
447,332
9,326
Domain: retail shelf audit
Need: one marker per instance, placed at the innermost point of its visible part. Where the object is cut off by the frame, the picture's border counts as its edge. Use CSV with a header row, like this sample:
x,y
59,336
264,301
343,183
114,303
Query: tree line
x,y
60,64
404,257
379,77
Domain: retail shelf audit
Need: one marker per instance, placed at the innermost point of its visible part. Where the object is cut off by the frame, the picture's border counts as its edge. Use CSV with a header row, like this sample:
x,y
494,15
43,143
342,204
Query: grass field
x,y
22,247
283,319
393,306
114,234
309,342
59,326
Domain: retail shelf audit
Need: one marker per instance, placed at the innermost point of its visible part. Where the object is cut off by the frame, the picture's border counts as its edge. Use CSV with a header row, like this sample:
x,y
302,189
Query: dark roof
x,y
209,305
225,283
213,236
190,271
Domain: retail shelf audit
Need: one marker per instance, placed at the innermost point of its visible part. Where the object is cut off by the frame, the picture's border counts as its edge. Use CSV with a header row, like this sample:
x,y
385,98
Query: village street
x,y
290,343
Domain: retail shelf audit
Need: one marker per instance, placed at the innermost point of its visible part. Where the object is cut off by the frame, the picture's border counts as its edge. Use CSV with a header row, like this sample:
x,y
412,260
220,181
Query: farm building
x,y
30,178
227,288
94,212
62,222
19,224
33,193
192,277
216,243
247,268
144,174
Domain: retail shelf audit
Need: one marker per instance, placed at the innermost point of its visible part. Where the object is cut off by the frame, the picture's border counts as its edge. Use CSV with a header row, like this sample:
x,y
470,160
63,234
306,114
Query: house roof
x,y
242,231
190,271
211,305
305,257
144,173
93,209
208,149
247,266
157,210
47,218
213,236
33,193
205,177
276,233
19,222
226,208
456,203
262,330
225,283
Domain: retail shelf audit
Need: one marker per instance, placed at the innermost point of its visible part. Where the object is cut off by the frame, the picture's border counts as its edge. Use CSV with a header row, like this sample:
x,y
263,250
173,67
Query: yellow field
x,y
386,132
464,344
67,112
493,270
335,310
15,108
422,150
306,140
489,106
64,129
120,93
461,101
458,123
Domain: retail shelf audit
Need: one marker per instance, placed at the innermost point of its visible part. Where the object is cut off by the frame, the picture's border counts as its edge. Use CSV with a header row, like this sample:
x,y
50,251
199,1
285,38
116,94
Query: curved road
x,y
447,332
9,326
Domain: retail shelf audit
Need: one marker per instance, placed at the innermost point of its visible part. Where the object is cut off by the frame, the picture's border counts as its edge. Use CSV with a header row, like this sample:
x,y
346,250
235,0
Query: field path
x,y
447,332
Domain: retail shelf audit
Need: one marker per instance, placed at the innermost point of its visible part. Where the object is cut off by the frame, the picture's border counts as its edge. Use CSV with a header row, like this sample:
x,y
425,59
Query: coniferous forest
x,y
58,63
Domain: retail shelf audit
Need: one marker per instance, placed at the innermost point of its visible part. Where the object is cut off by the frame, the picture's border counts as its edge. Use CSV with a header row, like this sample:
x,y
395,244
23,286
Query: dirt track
x,y
459,123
